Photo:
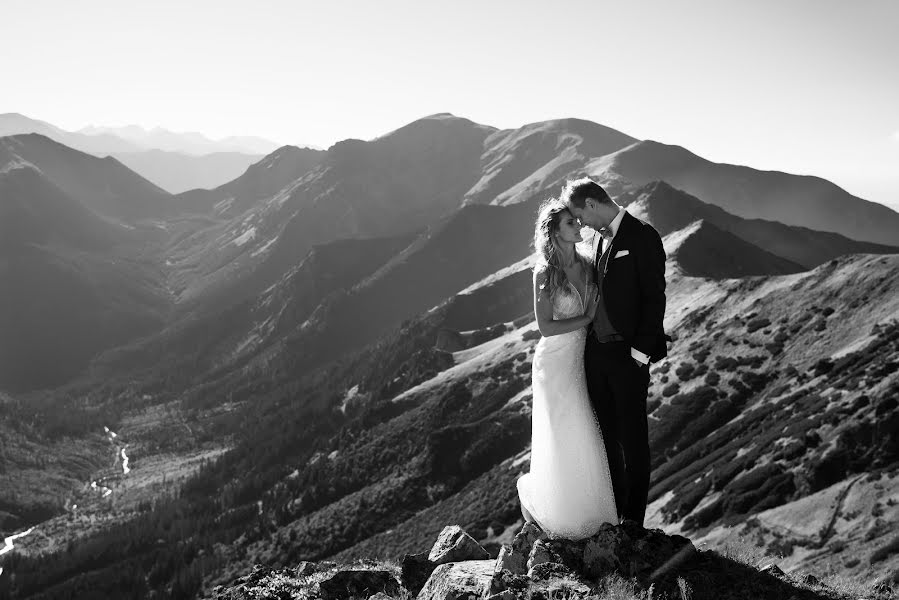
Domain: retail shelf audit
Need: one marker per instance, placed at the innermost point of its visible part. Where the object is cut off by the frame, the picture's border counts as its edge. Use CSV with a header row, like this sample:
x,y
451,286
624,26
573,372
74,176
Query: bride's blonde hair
x,y
549,258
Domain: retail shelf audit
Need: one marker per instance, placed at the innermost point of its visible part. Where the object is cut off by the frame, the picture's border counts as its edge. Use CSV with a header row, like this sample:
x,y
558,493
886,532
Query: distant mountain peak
x,y
703,250
443,115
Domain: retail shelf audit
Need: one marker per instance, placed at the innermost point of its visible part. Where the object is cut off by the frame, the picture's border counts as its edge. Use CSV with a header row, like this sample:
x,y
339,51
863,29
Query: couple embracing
x,y
601,321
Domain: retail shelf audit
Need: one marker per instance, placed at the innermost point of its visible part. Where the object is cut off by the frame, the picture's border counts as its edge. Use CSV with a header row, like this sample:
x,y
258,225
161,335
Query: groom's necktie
x,y
603,259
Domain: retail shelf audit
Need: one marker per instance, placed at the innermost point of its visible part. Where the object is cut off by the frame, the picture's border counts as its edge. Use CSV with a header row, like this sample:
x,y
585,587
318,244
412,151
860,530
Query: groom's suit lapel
x,y
621,238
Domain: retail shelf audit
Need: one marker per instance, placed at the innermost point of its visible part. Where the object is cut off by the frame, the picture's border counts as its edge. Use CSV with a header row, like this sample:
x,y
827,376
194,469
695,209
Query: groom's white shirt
x,y
640,357
613,227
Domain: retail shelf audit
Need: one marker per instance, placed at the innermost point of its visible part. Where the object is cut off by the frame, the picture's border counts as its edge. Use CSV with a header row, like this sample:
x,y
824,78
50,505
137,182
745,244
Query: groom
x,y
625,336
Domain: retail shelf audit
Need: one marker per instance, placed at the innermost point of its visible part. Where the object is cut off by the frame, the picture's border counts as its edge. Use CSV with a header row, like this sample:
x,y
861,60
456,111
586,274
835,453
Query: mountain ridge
x,y
669,209
750,193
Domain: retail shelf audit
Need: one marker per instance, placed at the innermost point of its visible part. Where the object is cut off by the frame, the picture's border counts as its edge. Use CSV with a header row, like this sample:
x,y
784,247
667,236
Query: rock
x,y
503,595
510,560
810,579
568,552
345,583
542,552
454,545
466,580
514,557
505,580
416,568
601,551
772,569
526,538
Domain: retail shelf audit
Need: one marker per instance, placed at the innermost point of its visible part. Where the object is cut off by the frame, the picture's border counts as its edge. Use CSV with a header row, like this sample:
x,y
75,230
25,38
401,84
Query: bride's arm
x,y
543,310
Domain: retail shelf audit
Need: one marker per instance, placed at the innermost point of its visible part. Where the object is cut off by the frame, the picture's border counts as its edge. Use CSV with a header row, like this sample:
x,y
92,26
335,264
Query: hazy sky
x,y
804,86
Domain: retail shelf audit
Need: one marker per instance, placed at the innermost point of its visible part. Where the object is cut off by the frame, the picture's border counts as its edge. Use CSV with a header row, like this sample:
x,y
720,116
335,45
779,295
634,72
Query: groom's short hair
x,y
576,192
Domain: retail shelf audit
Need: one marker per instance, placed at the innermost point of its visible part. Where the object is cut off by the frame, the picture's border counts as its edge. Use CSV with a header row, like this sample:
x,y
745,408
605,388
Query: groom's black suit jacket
x,y
633,288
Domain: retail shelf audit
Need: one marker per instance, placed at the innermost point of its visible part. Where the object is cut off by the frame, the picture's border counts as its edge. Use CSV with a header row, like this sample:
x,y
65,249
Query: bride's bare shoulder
x,y
541,276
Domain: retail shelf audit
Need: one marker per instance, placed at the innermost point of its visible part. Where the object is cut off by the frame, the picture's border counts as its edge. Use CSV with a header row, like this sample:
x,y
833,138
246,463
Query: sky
x,y
804,86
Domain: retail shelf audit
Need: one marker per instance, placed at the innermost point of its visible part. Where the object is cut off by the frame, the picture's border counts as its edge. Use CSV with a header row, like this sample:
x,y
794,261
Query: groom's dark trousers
x,y
619,385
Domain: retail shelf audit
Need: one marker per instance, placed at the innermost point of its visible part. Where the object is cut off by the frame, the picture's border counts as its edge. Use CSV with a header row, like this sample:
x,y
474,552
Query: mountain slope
x,y
213,339
71,284
394,185
261,180
104,185
792,199
454,254
703,250
670,209
34,211
175,172
461,433
60,307
518,163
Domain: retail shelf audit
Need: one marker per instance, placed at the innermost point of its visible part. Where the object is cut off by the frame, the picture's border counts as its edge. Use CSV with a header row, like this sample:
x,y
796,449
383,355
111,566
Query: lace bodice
x,y
567,303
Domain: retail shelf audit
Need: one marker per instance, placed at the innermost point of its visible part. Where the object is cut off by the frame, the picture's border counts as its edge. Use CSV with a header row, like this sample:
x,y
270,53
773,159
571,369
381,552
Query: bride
x,y
568,491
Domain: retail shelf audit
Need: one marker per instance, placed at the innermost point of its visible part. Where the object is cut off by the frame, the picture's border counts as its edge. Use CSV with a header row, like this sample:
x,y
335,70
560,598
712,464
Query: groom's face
x,y
589,214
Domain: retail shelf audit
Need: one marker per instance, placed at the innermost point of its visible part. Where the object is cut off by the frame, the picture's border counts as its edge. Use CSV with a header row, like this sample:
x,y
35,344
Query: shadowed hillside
x,y
669,209
70,284
703,250
259,181
104,185
749,193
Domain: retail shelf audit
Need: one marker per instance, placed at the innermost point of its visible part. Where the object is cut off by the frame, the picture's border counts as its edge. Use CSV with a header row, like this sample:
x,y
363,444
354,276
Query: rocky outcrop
x,y
466,580
452,545
534,564
625,561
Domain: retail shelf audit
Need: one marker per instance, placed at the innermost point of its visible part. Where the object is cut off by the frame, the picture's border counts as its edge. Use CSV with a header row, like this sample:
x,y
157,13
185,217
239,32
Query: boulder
x,y
601,551
526,538
415,570
514,557
632,551
506,581
541,553
454,545
467,580
509,560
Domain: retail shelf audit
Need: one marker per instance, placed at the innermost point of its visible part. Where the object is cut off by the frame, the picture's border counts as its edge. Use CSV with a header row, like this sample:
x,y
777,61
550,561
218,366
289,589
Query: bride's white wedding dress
x,y
568,490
